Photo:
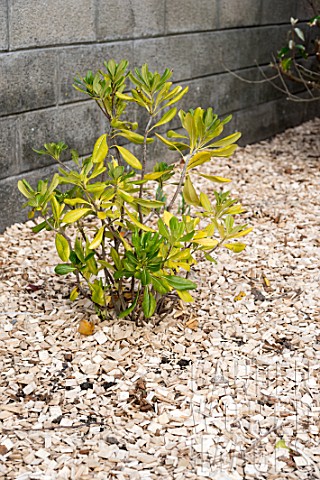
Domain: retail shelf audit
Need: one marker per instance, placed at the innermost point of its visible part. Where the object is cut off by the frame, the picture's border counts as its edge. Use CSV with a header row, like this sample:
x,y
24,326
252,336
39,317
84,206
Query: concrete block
x,y
196,55
35,23
278,11
190,16
27,81
130,19
9,145
227,93
267,119
3,25
77,125
78,60
305,11
233,14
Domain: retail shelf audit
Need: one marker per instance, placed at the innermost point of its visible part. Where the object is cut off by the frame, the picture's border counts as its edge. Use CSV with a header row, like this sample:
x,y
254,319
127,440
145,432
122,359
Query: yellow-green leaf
x,y
167,142
75,201
177,97
155,175
126,196
75,215
148,203
205,202
189,193
126,244
134,137
235,210
185,295
125,97
167,217
62,247
282,444
100,150
74,294
225,142
167,117
102,215
23,189
129,158
199,158
56,208
224,151
243,233
235,247
137,223
97,239
206,242
214,178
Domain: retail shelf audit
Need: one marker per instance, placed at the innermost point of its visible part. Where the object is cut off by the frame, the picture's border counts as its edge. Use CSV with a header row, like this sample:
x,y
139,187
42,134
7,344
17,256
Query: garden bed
x,y
224,388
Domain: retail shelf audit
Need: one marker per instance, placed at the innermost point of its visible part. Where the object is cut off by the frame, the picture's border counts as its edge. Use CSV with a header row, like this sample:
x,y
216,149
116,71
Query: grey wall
x,y
44,43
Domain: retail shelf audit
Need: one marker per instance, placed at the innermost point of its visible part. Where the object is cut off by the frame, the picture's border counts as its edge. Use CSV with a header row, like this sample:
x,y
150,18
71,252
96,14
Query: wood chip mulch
x,y
226,388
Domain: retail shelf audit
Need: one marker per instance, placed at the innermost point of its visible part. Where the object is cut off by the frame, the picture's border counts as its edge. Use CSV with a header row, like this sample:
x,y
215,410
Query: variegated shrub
x,y
128,243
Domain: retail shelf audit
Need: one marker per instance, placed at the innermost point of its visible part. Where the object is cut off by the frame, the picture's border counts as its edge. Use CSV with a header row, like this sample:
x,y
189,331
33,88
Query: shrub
x,y
115,228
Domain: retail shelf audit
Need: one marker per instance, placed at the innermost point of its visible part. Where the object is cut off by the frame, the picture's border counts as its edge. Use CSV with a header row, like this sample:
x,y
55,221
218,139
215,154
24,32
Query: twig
x,y
144,163
182,177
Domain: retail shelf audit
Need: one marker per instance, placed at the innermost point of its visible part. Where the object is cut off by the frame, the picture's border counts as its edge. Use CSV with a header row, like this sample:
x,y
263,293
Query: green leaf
x,y
116,258
100,150
167,117
79,250
160,285
180,283
235,247
163,229
129,310
209,258
62,247
39,227
129,158
97,239
64,268
75,215
149,303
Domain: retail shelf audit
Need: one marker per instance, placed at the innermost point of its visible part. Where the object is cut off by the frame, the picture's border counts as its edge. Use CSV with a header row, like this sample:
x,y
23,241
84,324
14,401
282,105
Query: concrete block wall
x,y
44,44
